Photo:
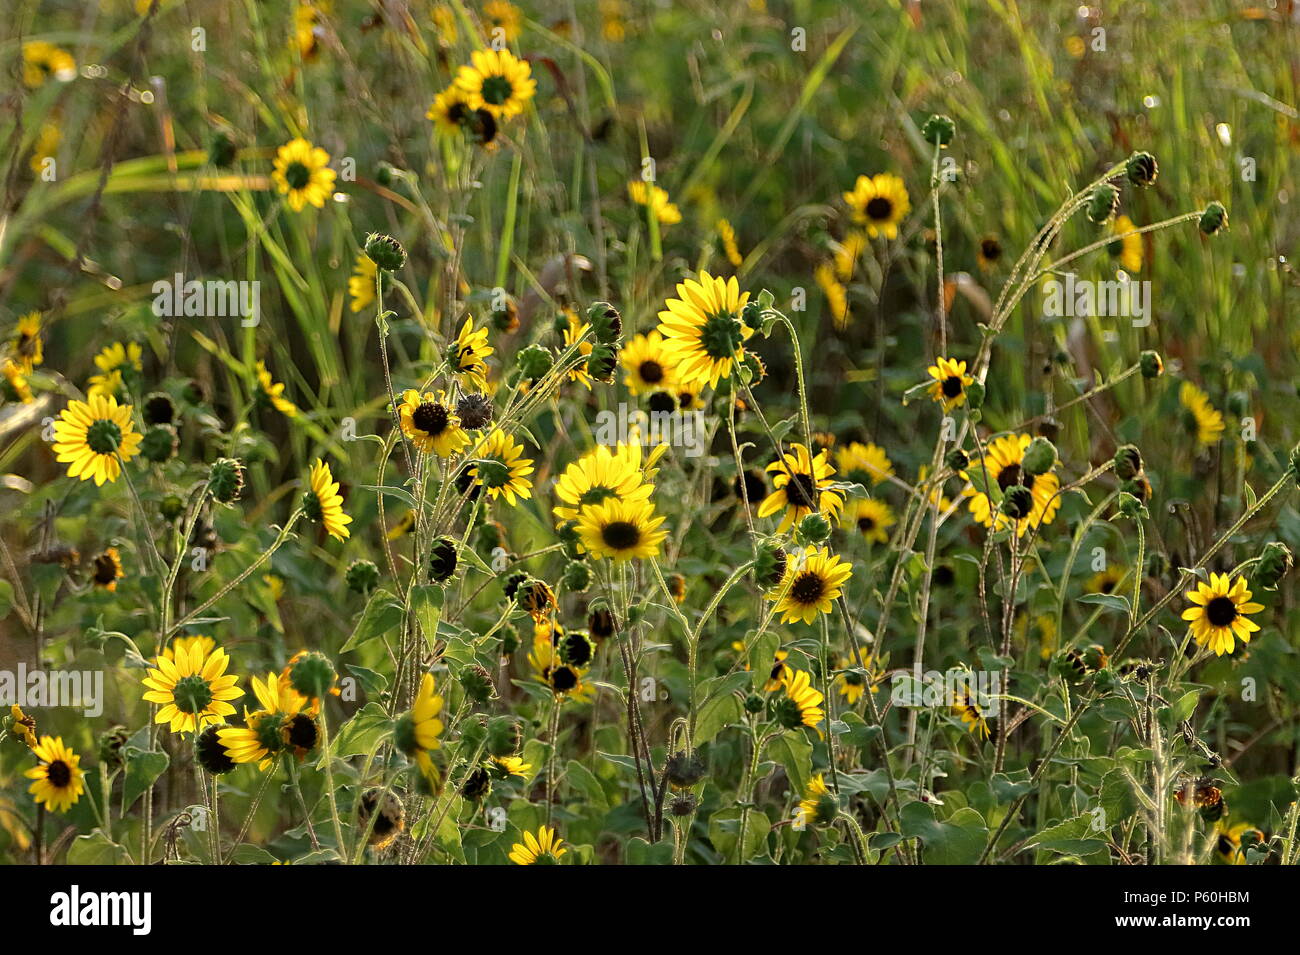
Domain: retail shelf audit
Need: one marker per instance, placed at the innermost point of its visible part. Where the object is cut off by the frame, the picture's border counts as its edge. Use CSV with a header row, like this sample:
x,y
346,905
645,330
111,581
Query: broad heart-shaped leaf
x,y
1074,836
142,768
96,849
958,841
724,833
1116,797
426,603
721,707
359,735
383,614
640,852
794,752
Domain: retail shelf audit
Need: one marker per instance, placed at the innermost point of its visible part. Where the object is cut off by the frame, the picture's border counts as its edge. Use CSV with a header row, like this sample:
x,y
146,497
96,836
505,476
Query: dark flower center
x,y
866,524
496,90
621,535
58,773
105,570
720,336
302,732
879,208
801,491
808,588
1221,611
1012,475
663,402
991,249
577,649
104,436
297,175
951,386
651,372
430,417
192,694
564,679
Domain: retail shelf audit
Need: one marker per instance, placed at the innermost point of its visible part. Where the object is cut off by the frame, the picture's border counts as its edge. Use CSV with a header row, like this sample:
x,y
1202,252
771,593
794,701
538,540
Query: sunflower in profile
x,y
58,780
497,81
800,705
971,716
599,475
91,436
879,203
812,586
703,334
621,529
112,361
417,731
837,296
192,688
1127,249
26,345
1200,418
13,383
851,682
563,678
106,570
802,487
649,367
272,392
23,726
301,171
323,502
503,469
727,235
266,732
43,61
544,848
779,673
818,807
1219,615
871,517
858,461
1002,463
466,356
430,424
361,283
575,333
950,383
504,767
656,200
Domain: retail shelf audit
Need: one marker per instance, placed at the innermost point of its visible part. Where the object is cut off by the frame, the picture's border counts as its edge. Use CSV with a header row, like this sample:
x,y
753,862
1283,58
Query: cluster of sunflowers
x,y
488,624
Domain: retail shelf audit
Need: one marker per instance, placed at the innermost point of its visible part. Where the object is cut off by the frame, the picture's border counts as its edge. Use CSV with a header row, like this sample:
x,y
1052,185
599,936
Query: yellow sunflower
x,y
90,436
1105,581
971,716
599,475
193,689
58,780
621,529
1219,616
802,487
702,331
852,683
1127,249
1002,463
23,726
879,203
505,471
837,296
500,15
649,365
26,344
950,383
652,196
871,517
301,171
1200,418
449,111
272,391
323,502
818,805
14,387
267,731
184,645
466,356
417,732
544,848
497,81
430,424
801,705
361,284
563,678
858,461
727,234
813,584
107,569
111,361
574,330
43,61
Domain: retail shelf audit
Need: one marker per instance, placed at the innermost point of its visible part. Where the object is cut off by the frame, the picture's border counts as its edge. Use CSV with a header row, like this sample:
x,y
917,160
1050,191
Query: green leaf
x,y
142,769
1115,602
724,833
640,852
361,734
383,614
426,603
96,849
958,841
6,598
795,754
